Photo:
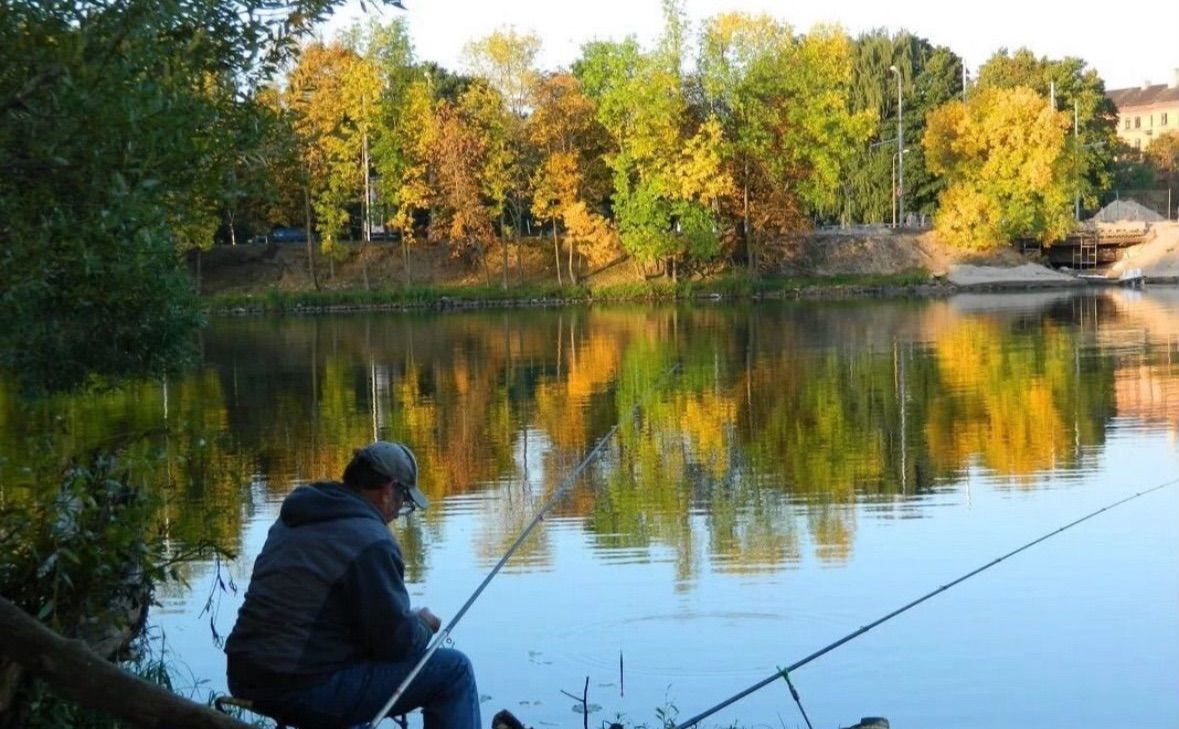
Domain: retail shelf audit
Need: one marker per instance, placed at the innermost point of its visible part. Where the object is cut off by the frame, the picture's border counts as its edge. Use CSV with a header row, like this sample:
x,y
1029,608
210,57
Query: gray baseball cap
x,y
396,462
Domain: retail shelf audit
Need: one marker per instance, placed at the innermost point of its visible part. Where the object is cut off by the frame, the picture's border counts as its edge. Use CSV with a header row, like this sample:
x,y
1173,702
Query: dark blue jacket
x,y
328,591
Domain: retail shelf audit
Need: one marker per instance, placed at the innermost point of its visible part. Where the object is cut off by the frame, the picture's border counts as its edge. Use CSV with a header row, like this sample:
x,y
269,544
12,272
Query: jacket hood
x,y
325,501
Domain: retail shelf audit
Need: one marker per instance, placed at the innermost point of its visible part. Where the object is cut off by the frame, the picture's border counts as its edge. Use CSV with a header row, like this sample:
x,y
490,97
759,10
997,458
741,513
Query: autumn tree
x,y
572,180
319,93
1004,154
489,121
657,158
783,104
505,60
1079,89
461,155
404,164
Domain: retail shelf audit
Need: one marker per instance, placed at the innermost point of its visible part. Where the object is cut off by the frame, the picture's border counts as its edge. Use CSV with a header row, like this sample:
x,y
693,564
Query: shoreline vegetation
x,y
458,296
823,265
270,279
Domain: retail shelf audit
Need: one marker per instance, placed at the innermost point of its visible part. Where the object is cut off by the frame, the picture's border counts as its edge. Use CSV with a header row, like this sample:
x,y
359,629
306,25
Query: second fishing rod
x,y
444,634
784,673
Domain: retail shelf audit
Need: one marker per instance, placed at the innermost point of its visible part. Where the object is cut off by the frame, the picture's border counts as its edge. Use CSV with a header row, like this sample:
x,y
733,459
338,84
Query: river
x,y
784,473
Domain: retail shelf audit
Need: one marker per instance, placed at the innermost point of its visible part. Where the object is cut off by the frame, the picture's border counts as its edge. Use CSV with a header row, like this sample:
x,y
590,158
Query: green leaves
x,y
122,127
930,76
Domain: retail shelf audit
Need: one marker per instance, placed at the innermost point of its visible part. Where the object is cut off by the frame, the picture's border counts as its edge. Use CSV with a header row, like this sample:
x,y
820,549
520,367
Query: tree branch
x,y
78,673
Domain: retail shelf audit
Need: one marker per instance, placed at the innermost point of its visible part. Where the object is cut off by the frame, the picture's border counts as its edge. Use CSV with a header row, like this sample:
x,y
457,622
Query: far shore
x,y
276,279
480,297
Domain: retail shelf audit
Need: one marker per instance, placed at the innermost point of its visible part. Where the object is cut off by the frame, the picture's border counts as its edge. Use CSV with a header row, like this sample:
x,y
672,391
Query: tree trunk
x,y
483,259
745,222
364,263
519,262
405,257
517,234
310,240
557,251
572,274
199,273
79,674
503,244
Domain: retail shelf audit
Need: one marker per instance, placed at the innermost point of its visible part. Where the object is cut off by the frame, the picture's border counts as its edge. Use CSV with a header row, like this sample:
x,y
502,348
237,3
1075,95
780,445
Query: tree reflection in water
x,y
781,419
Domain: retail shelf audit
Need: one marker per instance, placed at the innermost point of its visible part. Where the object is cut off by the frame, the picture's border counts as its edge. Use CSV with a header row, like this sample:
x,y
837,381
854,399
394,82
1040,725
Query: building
x,y
1146,111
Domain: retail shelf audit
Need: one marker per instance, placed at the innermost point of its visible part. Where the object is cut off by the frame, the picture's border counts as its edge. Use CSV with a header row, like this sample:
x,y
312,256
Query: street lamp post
x,y
900,152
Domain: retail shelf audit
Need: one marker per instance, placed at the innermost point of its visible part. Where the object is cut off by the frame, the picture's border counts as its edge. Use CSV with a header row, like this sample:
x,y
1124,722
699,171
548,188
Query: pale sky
x,y
1128,43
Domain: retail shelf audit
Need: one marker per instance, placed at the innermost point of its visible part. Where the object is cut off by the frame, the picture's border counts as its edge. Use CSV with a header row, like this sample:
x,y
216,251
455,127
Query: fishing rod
x,y
864,629
444,634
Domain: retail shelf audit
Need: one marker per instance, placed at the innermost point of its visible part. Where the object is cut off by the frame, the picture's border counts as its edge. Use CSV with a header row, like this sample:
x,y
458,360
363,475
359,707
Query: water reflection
x,y
778,421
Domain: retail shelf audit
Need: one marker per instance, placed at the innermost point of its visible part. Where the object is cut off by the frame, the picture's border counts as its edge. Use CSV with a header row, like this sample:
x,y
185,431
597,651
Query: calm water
x,y
809,468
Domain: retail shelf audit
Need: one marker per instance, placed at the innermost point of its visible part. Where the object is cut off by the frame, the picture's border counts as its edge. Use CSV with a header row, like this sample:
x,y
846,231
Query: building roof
x,y
1138,96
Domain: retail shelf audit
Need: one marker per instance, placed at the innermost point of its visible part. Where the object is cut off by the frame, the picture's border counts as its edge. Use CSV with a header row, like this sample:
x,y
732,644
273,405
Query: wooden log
x,y
74,671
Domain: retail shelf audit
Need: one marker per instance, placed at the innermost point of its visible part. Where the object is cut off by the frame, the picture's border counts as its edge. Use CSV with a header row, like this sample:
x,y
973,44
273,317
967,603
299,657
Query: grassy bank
x,y
275,300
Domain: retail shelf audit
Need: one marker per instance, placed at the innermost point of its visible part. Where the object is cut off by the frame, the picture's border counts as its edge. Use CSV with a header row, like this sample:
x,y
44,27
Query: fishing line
x,y
444,634
864,629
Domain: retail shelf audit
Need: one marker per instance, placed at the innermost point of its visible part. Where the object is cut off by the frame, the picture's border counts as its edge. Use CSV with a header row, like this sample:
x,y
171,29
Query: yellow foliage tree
x,y
1006,159
554,188
589,234
332,92
416,130
572,174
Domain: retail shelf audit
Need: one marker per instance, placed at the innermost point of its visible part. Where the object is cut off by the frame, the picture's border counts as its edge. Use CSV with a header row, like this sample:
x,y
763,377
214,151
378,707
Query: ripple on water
x,y
666,643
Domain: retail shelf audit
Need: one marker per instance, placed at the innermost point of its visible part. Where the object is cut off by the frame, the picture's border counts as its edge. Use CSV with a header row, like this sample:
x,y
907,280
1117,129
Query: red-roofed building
x,y
1146,111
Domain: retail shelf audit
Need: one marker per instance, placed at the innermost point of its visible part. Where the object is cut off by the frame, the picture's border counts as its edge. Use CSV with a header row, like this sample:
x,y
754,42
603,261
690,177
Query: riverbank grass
x,y
275,300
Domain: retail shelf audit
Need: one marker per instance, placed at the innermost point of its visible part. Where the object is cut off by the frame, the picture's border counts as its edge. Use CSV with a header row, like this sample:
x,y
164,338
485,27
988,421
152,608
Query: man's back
x,y
303,613
326,634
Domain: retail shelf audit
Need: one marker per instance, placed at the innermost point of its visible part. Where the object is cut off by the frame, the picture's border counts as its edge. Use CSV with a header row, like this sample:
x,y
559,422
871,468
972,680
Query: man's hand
x,y
432,621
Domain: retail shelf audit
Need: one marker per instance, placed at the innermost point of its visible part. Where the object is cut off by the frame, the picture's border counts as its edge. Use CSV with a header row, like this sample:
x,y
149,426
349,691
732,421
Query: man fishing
x,y
326,633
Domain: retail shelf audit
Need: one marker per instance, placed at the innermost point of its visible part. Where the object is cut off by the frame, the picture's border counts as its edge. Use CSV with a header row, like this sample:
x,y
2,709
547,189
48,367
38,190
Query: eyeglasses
x,y
406,500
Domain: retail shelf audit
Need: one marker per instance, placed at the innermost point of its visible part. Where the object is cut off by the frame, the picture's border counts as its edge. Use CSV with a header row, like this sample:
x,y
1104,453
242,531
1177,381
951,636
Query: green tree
x,y
930,76
661,212
376,90
110,114
1005,158
402,129
1131,171
1162,155
783,102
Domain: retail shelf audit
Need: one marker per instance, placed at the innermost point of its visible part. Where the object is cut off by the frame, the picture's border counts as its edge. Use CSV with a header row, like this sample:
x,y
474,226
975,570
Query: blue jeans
x,y
444,690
